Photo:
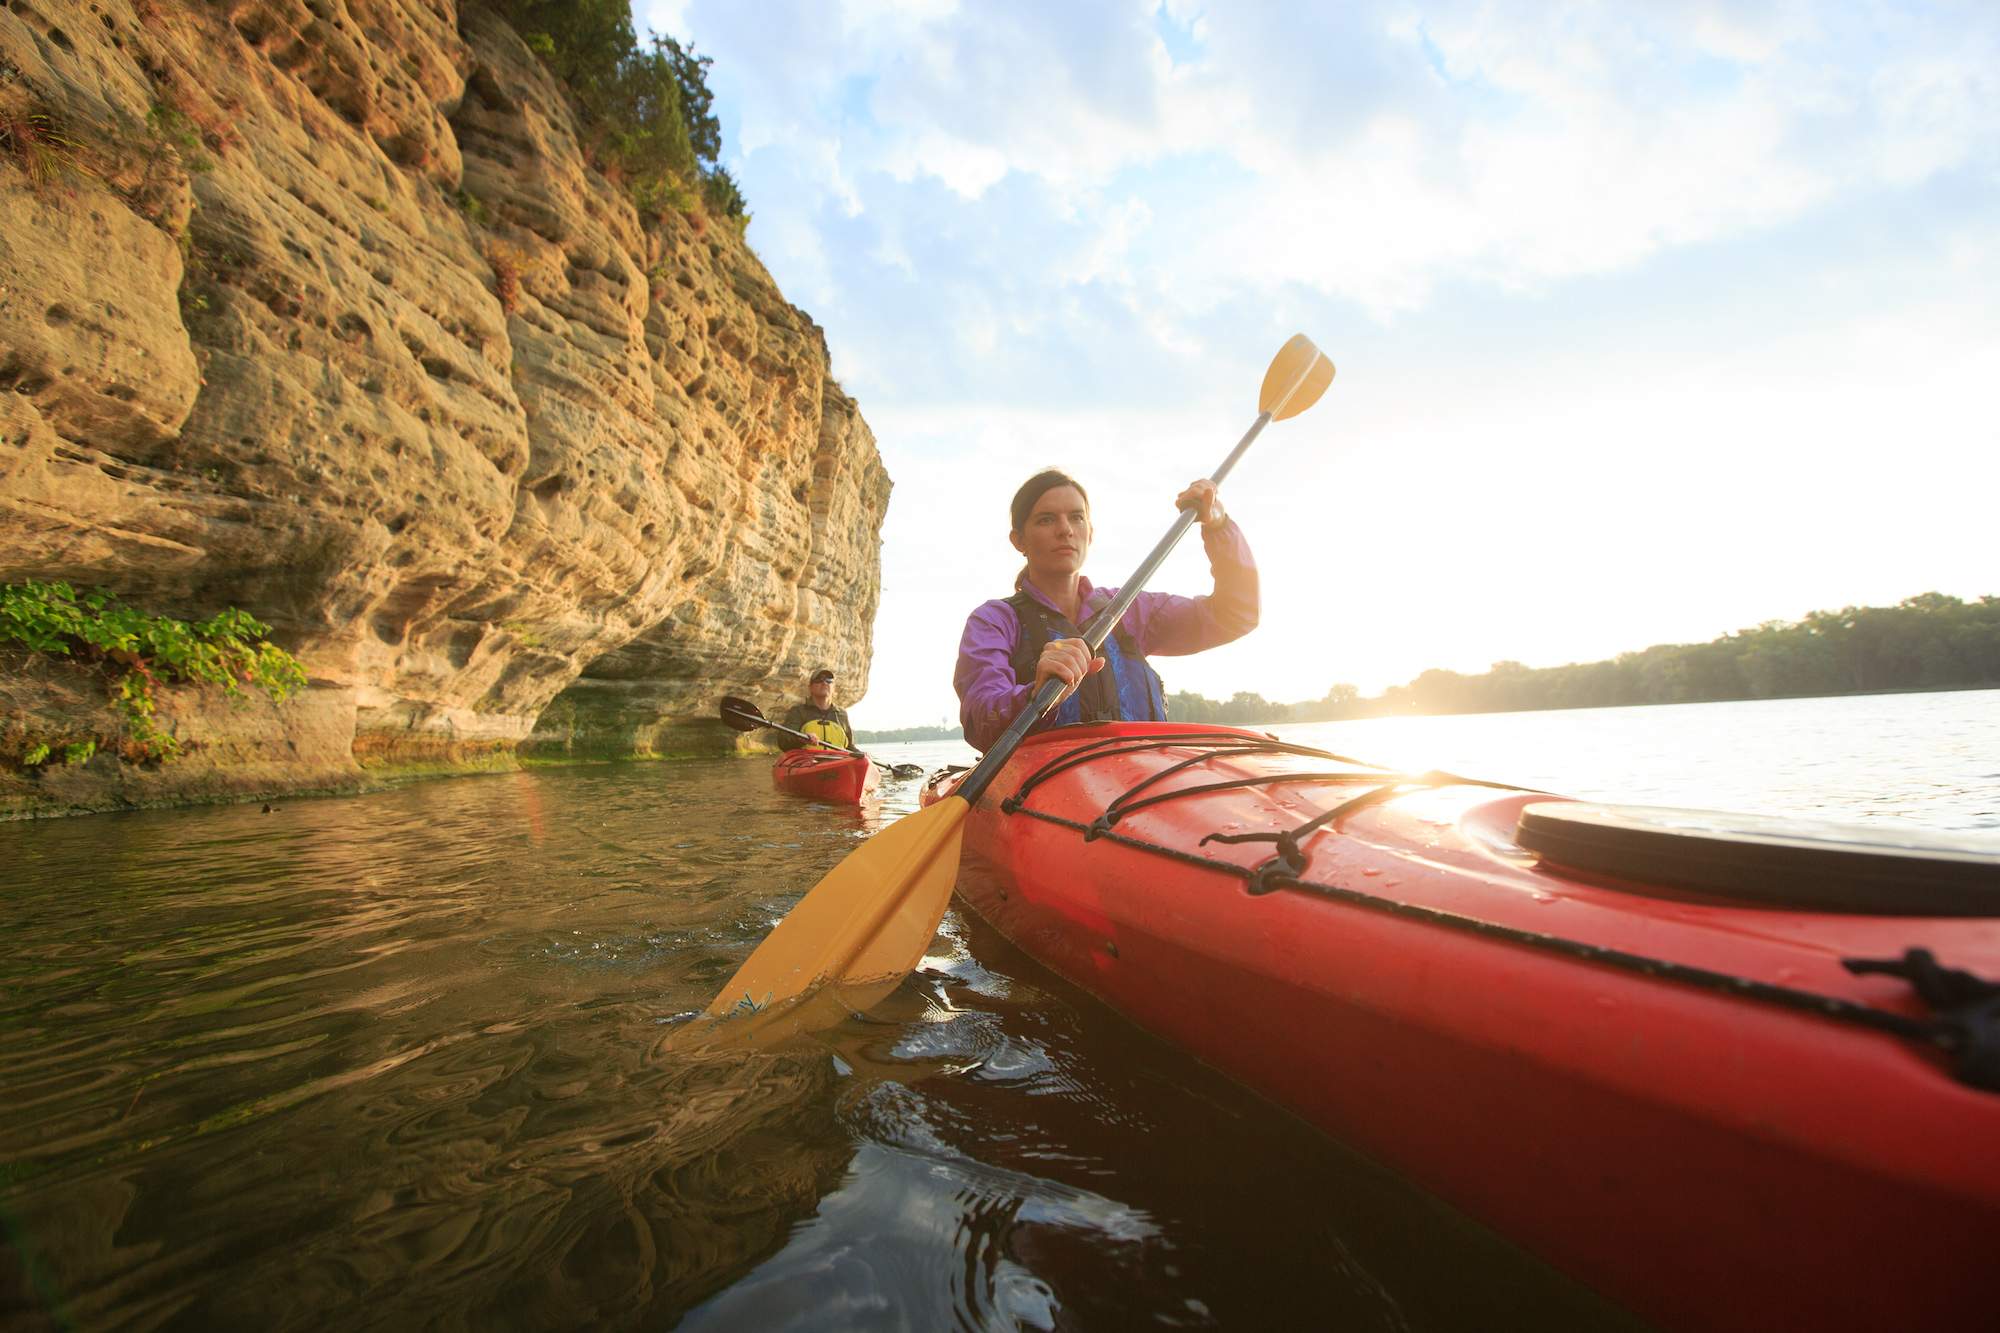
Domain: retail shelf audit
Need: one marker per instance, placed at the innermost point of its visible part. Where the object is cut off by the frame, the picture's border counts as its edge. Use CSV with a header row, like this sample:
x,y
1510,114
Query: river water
x,y
399,1061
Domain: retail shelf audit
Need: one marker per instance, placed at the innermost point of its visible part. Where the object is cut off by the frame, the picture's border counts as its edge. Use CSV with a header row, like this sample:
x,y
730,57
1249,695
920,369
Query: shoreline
x,y
371,780
21,804
1587,708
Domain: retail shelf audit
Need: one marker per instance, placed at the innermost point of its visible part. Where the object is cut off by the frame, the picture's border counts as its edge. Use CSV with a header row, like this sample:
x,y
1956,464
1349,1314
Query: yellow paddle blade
x,y
761,1029
1298,375
864,927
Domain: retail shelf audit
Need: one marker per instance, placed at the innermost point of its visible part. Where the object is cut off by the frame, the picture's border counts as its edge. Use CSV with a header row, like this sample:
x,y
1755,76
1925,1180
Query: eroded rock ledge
x,y
321,309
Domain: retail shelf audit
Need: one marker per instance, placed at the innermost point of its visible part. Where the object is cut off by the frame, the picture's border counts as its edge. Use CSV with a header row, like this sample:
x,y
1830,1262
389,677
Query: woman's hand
x,y
1200,496
1067,660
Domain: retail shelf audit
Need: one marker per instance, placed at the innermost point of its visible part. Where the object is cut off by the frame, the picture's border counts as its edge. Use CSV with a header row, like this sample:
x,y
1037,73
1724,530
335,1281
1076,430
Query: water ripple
x,y
395,1062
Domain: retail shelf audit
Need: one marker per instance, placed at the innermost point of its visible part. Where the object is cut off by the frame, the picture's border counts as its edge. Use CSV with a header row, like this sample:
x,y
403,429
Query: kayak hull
x,y
825,775
1707,1161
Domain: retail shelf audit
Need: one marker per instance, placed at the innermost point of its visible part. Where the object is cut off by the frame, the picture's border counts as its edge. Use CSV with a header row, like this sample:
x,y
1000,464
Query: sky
x,y
1652,321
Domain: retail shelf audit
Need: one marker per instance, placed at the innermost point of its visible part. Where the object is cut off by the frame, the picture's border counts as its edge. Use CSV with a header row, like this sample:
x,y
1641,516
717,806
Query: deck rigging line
x,y
1966,1009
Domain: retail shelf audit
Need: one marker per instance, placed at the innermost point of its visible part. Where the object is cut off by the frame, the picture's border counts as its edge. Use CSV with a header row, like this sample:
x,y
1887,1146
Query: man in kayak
x,y
1012,644
819,718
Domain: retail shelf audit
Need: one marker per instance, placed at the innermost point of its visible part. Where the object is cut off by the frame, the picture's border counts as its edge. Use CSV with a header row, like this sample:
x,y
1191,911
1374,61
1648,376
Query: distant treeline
x,y
1928,642
908,734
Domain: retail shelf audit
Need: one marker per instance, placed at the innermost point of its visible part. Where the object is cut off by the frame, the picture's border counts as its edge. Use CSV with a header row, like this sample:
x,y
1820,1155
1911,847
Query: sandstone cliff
x,y
319,308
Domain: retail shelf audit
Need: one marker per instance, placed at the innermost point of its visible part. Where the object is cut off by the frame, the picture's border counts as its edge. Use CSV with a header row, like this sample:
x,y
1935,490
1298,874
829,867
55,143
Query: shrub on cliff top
x,y
228,649
649,107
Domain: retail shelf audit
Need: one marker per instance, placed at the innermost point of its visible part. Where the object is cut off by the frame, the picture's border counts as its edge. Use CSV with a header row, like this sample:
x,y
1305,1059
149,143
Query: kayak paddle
x,y
863,928
742,715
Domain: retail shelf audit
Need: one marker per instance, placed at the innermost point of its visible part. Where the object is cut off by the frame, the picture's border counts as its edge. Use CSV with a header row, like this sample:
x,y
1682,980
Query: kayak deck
x,y
1690,1103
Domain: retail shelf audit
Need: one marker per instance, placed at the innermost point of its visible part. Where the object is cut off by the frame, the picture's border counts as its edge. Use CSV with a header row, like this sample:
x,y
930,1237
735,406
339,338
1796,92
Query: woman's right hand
x,y
1067,660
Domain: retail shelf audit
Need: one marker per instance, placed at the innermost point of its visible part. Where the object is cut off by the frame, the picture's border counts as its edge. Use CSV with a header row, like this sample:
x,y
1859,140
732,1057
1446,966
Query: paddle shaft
x,y
775,726
862,928
1097,631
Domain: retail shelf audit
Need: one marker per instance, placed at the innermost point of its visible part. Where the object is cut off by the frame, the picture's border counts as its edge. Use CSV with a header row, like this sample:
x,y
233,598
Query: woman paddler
x,y
1013,644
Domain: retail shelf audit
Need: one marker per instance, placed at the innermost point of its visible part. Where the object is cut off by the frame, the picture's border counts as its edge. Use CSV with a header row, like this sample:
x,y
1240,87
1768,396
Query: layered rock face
x,y
319,308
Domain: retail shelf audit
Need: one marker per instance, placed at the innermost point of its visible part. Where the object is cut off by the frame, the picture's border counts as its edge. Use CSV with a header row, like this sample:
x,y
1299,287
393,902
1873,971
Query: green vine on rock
x,y
227,649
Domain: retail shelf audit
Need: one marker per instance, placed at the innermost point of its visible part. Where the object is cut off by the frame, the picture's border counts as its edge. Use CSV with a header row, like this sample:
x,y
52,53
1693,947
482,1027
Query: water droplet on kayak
x,y
1370,872
1542,896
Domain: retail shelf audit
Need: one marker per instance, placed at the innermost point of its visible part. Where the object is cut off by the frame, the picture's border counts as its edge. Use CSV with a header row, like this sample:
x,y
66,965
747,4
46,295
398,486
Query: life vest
x,y
1125,689
828,730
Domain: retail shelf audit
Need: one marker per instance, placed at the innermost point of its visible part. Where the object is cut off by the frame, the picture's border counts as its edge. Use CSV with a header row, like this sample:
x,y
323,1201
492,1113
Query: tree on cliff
x,y
649,109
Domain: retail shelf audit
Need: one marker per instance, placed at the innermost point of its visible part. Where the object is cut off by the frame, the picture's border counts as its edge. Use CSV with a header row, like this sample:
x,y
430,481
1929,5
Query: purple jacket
x,y
989,698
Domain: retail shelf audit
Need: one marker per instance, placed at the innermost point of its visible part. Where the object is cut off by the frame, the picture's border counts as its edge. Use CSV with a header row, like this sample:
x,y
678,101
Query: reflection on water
x,y
1927,760
262,1068
401,1060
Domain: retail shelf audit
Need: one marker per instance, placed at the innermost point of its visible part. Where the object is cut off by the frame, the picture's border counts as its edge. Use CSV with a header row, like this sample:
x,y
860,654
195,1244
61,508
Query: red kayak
x,y
1734,1074
825,775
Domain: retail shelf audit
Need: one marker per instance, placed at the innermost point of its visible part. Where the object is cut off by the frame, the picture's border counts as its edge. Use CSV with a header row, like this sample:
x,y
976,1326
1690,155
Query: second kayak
x,y
1735,1074
825,775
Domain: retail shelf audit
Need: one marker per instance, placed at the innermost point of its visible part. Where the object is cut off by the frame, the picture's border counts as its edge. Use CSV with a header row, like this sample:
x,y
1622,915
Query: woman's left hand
x,y
1207,505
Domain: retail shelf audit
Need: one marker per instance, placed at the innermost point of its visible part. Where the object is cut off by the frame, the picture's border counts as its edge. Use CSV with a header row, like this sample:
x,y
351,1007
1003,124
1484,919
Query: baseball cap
x,y
824,673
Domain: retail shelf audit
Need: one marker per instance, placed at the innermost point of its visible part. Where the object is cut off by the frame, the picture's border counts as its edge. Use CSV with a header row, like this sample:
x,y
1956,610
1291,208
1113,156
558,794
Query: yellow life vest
x,y
829,732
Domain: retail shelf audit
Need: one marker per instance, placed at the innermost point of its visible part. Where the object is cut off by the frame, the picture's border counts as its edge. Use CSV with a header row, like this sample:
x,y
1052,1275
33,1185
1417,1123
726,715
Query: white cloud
x,y
1560,141
662,16
1107,254
1682,307
970,169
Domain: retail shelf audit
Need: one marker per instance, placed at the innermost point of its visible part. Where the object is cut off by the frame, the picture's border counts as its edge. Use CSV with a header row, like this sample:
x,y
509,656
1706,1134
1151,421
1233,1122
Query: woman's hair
x,y
1035,487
